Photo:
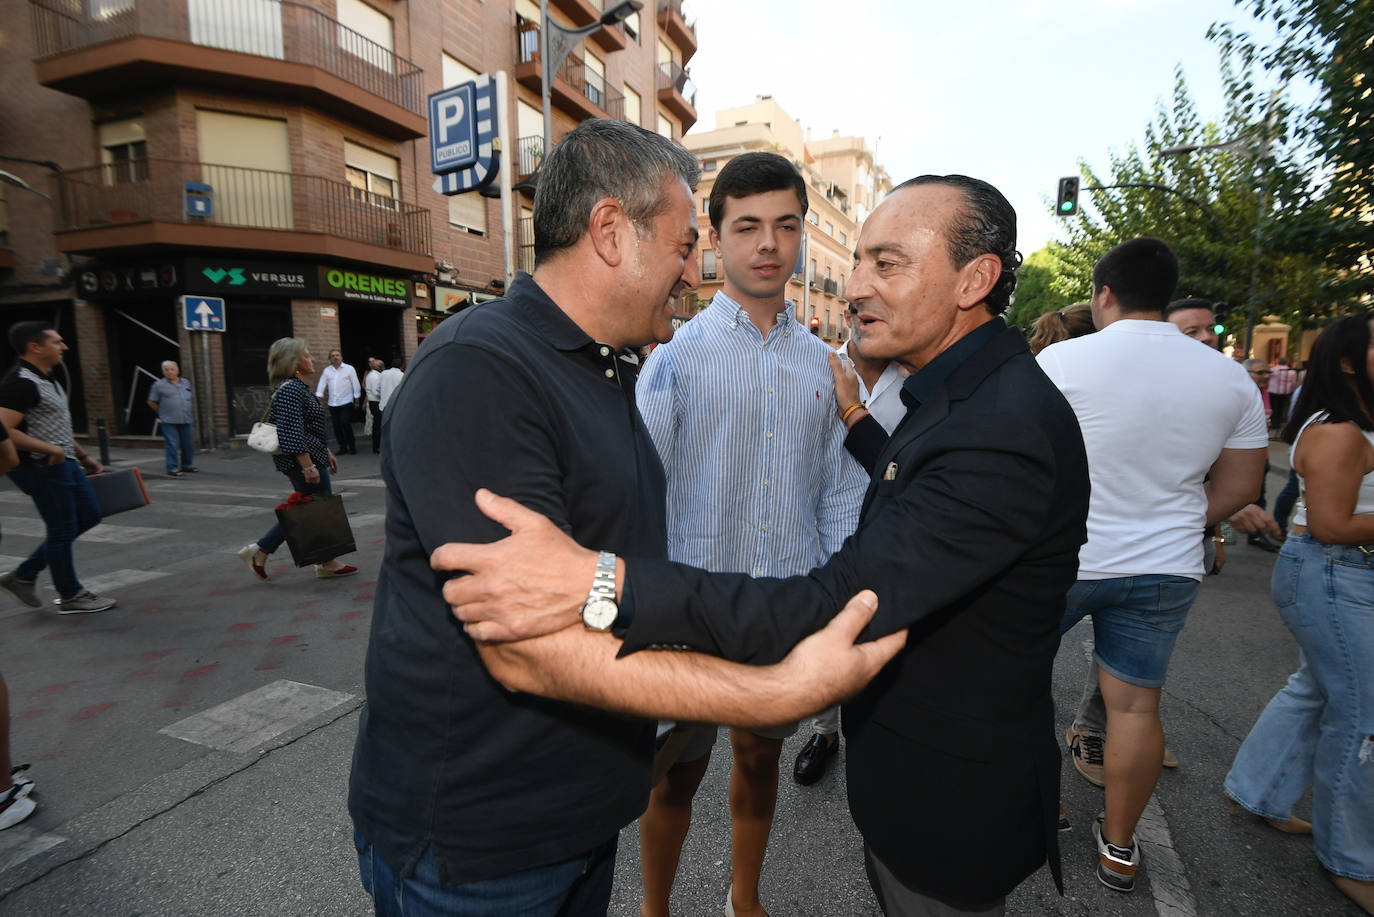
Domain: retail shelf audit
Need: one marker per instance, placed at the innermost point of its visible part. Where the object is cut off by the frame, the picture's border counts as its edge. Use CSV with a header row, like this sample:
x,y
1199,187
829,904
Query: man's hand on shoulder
x,y
531,583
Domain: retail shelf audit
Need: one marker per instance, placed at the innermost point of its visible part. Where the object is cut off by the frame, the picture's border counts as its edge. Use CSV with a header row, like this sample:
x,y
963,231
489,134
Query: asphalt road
x,y
136,821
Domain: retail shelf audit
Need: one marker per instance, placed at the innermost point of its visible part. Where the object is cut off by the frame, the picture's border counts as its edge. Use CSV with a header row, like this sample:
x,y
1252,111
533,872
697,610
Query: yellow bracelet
x,y
844,418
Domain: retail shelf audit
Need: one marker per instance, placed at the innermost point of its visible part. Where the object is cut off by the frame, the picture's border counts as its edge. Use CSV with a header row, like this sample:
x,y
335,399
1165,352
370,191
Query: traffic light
x,y
815,325
1218,329
1068,197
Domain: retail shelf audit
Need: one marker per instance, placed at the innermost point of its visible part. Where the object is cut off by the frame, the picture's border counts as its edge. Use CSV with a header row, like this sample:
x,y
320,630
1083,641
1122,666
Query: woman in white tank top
x,y
1319,728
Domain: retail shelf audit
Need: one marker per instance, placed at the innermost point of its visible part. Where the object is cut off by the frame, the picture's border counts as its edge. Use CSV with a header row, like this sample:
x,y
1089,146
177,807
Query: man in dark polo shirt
x,y
467,798
969,535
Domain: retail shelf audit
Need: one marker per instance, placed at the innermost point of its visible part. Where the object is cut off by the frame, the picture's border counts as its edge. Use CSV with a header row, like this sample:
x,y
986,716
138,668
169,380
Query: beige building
x,y
843,183
275,154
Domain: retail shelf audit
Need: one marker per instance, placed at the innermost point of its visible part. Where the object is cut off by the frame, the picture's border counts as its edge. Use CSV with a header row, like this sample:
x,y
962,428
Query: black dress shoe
x,y
810,764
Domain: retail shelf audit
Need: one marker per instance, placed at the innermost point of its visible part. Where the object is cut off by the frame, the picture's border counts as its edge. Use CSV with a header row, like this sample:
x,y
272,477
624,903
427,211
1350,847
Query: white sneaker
x,y
16,808
21,781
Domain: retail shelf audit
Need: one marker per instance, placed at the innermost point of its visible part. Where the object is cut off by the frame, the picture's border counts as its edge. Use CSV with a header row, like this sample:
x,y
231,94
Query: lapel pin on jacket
x,y
891,473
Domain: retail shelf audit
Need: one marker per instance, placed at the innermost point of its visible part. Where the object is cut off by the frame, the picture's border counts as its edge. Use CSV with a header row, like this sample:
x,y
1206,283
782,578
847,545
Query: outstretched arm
x,y
582,666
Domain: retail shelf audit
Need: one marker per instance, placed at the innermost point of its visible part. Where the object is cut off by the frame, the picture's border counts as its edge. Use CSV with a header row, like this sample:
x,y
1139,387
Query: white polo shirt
x,y
885,401
1156,409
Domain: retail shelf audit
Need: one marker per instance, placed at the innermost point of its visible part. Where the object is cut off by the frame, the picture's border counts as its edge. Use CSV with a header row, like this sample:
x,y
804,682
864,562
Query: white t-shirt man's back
x,y
1156,409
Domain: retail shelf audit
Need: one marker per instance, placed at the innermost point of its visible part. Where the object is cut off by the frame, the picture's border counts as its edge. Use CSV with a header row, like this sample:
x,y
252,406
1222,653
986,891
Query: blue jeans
x,y
64,499
177,436
275,536
580,887
1136,622
1319,728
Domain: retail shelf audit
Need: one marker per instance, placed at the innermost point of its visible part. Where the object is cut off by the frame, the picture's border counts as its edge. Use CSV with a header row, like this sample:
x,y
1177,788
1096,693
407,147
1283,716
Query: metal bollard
x,y
103,438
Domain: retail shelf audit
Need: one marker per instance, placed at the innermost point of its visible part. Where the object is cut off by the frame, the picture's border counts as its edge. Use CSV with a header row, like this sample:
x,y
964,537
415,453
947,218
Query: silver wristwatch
x,y
600,610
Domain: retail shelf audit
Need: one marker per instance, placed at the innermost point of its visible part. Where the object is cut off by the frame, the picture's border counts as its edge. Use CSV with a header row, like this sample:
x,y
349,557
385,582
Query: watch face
x,y
599,614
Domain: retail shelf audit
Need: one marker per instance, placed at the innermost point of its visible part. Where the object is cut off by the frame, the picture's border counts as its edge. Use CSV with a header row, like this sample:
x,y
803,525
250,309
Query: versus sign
x,y
232,277
356,286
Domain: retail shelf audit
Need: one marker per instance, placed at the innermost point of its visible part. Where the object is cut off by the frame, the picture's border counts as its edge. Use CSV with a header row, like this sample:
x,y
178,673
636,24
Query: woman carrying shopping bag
x,y
304,458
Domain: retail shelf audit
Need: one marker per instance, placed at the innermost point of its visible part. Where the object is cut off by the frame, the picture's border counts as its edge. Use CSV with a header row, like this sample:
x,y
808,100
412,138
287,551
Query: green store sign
x,y
356,286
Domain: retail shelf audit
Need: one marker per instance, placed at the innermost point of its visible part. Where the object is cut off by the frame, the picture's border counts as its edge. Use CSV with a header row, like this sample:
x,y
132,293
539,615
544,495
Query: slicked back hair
x,y
601,159
1141,272
986,225
1183,305
756,173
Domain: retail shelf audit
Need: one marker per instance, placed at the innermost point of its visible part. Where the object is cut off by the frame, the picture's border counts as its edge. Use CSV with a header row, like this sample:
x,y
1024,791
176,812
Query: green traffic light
x,y
1066,206
1218,329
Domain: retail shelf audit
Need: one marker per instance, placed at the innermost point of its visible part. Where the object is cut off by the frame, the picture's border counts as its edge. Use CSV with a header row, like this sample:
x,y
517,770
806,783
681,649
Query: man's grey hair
x,y
171,363
1254,363
601,159
282,359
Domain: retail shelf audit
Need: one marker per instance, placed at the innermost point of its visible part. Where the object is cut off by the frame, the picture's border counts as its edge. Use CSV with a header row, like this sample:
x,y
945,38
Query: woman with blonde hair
x,y
305,458
1060,325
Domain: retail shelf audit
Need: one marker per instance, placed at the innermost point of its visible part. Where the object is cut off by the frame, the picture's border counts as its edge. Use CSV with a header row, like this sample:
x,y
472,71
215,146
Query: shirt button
x,y
757,573
769,434
765,483
770,389
610,374
605,351
763,528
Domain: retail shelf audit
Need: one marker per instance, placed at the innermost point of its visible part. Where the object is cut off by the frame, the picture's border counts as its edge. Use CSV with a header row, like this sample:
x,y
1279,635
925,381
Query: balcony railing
x,y
103,196
592,85
831,287
531,155
672,76
279,29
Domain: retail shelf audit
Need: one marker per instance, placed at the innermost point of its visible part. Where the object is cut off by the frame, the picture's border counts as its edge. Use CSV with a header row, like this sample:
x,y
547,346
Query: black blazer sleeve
x,y
970,498
865,441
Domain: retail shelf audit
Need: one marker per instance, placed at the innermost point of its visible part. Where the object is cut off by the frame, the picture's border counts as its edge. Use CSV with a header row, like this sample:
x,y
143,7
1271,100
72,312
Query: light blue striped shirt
x,y
759,481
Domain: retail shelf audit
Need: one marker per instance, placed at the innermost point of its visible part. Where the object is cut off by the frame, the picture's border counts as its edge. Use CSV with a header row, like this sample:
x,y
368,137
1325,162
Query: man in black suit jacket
x,y
970,534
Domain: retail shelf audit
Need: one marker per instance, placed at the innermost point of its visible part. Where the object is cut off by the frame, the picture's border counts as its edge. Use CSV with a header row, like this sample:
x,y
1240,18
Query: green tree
x,y
1206,205
1035,293
1329,171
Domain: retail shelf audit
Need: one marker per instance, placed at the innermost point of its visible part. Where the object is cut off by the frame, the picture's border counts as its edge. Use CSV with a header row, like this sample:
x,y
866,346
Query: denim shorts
x,y
1136,621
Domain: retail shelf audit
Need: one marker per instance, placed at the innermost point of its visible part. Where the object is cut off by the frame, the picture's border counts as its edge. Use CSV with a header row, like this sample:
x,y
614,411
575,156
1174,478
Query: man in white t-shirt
x,y
372,386
1164,464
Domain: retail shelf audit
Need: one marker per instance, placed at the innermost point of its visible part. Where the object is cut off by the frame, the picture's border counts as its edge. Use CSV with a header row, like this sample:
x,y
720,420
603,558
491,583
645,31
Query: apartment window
x,y
108,9
844,239
468,213
124,151
811,272
595,86
710,165
705,205
829,228
665,126
375,177
812,218
665,53
366,33
708,264
632,26
247,161
456,72
827,272
839,289
632,107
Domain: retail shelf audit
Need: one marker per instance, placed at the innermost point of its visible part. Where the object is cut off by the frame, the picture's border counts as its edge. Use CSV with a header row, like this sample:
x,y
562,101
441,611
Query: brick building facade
x,y
274,153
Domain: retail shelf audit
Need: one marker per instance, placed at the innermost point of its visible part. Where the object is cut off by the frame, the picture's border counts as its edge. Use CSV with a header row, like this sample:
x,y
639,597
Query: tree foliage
x,y
1329,211
1035,293
1207,205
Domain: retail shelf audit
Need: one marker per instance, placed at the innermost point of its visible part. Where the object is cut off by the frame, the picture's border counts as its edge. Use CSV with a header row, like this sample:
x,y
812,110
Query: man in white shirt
x,y
372,385
1151,442
388,383
879,385
340,381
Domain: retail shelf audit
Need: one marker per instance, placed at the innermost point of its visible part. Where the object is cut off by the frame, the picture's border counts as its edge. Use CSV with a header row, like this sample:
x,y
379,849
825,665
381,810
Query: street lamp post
x,y
556,43
1241,145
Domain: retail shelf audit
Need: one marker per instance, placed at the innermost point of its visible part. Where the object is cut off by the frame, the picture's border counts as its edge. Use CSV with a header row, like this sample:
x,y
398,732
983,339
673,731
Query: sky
x,y
1015,92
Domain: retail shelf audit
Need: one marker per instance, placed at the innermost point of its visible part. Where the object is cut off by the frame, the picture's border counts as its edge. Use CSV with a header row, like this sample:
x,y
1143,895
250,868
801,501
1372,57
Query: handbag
x,y
117,491
263,436
317,531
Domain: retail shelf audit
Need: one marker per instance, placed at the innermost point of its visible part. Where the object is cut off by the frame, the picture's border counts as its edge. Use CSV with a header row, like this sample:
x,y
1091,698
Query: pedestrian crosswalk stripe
x,y
246,722
24,842
117,579
104,532
362,520
361,482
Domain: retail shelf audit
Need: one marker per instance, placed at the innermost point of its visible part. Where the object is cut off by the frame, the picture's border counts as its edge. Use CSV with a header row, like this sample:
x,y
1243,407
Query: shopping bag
x,y
117,491
316,531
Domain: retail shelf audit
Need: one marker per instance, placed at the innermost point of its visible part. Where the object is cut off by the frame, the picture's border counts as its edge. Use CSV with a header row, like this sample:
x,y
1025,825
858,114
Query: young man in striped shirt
x,y
740,405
